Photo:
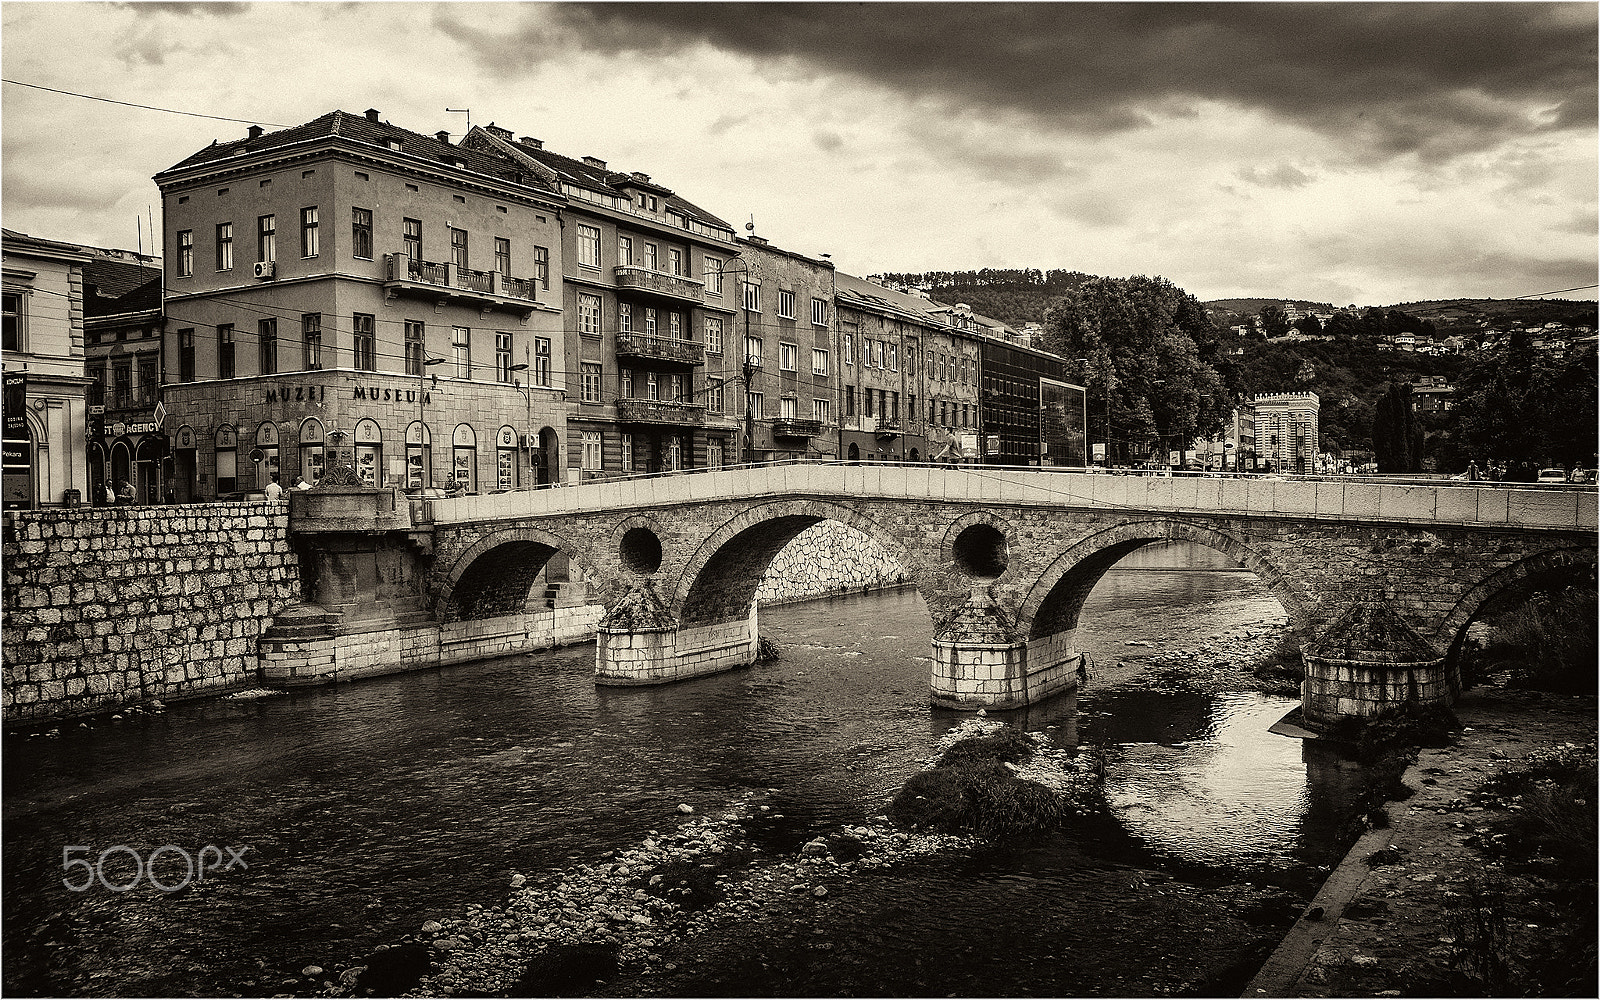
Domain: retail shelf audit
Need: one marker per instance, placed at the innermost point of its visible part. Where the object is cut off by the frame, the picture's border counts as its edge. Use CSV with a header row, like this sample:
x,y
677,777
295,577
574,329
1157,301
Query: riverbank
x,y
1450,897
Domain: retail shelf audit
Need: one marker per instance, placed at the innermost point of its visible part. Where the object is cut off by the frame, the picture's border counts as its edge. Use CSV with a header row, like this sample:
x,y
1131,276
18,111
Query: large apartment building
x,y
351,286
1286,438
123,325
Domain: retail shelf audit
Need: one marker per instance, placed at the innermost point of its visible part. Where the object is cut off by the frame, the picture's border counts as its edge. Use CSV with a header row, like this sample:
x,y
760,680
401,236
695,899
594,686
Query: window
x,y
590,388
893,363
713,276
652,386
674,261
185,355
650,253
649,321
911,360
785,303
752,296
502,357
788,357
502,255
461,350
308,231
713,454
849,400
674,453
755,403
413,240
267,346
588,314
713,334
414,345
752,351
894,404
224,246
624,317
225,350
311,341
675,388
588,246
366,342
877,354
541,361
849,350
361,233
675,326
866,402
458,247
624,250
819,361
185,252
788,407
266,238
627,453
122,385
147,379
541,266
822,410
592,453
625,383
819,311
714,395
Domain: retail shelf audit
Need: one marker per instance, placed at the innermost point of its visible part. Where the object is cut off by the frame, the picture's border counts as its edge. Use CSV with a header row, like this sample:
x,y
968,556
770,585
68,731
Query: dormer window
x,y
393,144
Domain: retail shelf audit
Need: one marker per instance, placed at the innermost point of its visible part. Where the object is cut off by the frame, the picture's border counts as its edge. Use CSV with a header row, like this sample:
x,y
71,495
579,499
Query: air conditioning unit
x,y
265,268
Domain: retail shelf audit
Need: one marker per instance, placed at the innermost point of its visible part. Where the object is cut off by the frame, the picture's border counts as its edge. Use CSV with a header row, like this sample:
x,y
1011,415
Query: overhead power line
x,y
146,107
1558,291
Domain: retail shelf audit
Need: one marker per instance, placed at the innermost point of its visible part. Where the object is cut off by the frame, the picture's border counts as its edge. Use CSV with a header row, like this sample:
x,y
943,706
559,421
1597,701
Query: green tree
x,y
1396,436
1153,348
1274,322
1519,405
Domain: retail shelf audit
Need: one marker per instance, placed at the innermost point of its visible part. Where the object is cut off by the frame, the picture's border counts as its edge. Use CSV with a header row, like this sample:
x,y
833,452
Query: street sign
x,y
160,414
1099,451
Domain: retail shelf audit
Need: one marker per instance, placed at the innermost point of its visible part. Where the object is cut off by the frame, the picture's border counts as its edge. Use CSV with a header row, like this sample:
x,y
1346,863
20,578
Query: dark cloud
x,y
189,9
828,141
1282,176
1429,79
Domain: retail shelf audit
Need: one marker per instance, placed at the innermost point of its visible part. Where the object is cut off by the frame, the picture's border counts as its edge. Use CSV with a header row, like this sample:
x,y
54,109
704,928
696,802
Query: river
x,y
369,807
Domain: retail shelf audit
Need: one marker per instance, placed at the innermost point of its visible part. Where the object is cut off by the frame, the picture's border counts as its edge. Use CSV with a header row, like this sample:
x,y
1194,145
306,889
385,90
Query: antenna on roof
x,y
750,226
467,111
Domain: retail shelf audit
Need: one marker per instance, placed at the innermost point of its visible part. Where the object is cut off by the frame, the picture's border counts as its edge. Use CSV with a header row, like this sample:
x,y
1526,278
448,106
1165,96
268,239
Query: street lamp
x,y
748,369
527,428
422,426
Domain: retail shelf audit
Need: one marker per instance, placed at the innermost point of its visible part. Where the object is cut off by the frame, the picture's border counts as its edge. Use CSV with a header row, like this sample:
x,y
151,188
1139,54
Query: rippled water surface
x,y
369,807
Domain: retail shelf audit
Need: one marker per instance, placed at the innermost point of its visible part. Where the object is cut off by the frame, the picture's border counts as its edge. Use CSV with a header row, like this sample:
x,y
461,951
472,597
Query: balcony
x,y
446,282
671,285
789,427
888,427
640,347
660,411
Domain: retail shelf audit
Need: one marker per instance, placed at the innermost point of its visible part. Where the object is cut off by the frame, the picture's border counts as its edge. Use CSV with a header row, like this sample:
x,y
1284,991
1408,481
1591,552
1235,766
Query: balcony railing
x,y
674,285
660,411
447,281
888,427
641,346
790,427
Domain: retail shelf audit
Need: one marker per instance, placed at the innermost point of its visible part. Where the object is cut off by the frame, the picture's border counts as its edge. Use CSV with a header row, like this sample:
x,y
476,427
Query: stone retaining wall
x,y
829,558
106,607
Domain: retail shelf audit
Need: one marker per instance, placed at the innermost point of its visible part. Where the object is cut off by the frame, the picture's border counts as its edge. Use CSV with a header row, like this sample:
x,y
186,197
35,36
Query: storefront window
x,y
419,455
506,459
464,466
267,441
227,460
311,450
369,451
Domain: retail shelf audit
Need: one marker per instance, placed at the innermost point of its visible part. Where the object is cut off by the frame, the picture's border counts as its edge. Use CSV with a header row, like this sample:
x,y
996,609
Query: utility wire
x,y
1558,291
146,107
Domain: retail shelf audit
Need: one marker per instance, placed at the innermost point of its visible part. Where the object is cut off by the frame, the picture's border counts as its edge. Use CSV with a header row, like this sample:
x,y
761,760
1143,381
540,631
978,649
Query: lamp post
x,y
748,370
423,470
527,427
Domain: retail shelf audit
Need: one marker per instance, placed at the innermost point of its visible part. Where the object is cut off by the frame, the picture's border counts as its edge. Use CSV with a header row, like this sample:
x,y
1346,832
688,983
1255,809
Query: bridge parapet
x,y
1455,504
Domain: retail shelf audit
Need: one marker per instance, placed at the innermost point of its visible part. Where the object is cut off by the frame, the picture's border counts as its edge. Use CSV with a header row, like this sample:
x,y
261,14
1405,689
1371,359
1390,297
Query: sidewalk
x,y
1375,931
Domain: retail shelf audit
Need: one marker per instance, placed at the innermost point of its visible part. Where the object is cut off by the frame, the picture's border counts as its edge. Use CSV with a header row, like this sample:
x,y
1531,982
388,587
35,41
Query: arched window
x,y
311,450
505,465
267,441
369,451
464,464
419,455
227,459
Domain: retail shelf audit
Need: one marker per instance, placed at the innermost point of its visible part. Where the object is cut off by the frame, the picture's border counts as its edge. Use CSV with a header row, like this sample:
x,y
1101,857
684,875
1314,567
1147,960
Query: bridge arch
x,y
1520,579
494,575
720,579
1055,600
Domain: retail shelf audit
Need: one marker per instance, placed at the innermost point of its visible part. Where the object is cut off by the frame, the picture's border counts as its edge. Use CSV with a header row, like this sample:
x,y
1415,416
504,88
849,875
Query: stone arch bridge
x,y
1379,580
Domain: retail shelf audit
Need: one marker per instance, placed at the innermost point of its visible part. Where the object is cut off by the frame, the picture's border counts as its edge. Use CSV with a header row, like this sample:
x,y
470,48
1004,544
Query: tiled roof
x,y
22,242
860,293
359,128
120,287
609,181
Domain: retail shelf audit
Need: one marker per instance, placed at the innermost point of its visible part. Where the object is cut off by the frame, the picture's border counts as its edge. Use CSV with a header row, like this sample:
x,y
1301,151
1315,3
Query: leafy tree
x,y
1274,322
1153,348
1519,405
1309,325
1396,436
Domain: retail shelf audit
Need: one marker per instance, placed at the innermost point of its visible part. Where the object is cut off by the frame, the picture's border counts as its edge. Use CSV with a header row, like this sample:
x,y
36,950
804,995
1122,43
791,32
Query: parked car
x,y
1552,476
243,496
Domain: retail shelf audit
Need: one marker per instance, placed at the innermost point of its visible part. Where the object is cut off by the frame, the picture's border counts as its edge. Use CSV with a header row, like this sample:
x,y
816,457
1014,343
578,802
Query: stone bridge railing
x,y
1352,499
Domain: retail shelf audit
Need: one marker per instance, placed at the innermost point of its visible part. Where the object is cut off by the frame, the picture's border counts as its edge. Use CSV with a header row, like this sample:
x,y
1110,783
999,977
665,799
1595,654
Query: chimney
x,y
372,114
641,177
497,131
595,161
529,140
443,137
255,131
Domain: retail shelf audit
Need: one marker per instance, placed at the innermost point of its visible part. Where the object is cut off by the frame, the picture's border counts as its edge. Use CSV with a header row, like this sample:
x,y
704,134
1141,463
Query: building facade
x,y
123,325
350,289
1286,432
1032,415
45,460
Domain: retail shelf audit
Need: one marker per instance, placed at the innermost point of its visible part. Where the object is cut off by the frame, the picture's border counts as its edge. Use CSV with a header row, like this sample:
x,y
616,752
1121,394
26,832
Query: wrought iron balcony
x,y
888,427
660,411
642,347
484,289
793,428
671,285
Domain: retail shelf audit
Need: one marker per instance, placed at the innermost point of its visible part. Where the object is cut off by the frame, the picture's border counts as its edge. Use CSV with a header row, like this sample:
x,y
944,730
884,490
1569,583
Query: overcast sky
x,y
1344,153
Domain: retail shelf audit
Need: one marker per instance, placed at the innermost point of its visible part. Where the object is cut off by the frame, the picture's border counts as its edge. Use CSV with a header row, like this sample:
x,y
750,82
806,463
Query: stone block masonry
x,y
106,607
829,558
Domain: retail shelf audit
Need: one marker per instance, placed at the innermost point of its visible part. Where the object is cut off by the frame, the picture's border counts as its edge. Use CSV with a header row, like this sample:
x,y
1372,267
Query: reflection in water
x,y
371,807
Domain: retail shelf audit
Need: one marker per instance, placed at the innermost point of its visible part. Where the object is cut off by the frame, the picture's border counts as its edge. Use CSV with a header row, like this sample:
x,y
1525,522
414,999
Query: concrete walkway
x,y
1372,931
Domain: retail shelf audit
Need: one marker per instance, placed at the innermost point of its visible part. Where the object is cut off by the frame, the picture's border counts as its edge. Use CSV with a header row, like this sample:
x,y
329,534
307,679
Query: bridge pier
x,y
1370,660
640,642
977,662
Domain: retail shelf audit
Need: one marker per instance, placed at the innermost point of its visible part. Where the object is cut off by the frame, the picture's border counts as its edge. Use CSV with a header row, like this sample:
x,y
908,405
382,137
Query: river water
x,y
367,808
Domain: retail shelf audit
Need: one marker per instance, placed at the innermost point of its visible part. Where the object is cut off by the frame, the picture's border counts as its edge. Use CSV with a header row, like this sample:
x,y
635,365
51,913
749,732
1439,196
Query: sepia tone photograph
x,y
535,499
